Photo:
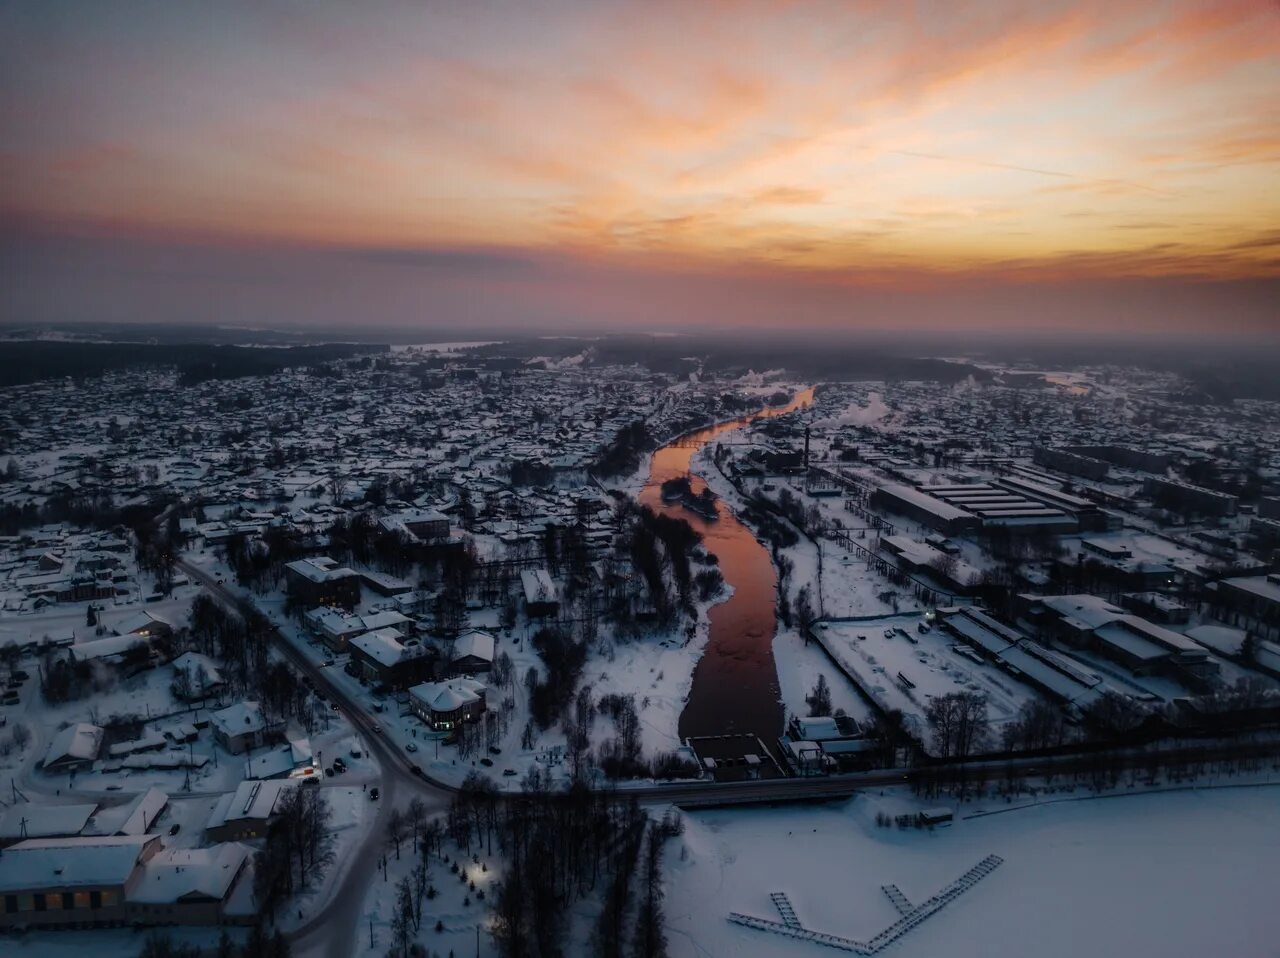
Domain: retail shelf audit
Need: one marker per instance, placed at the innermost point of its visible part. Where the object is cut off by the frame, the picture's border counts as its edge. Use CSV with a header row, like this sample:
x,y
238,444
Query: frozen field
x,y
1176,874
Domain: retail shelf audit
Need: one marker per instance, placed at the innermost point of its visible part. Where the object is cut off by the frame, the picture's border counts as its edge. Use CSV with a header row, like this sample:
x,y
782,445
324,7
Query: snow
x,y
1176,874
459,919
926,661
857,414
351,818
799,665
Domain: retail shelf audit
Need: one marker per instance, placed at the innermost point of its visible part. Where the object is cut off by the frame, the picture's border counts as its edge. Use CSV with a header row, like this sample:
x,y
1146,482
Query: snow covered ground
x,y
1188,873
799,666
352,818
905,671
107,942
456,909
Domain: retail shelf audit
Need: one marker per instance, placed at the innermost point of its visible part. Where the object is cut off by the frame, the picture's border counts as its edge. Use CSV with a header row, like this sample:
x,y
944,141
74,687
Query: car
x,y
334,706
487,762
414,770
494,750
328,772
311,780
509,772
339,764
378,706
378,729
329,660
373,794
175,828
411,747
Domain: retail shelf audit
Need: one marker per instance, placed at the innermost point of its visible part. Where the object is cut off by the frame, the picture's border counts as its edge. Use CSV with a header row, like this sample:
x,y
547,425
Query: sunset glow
x,y
864,146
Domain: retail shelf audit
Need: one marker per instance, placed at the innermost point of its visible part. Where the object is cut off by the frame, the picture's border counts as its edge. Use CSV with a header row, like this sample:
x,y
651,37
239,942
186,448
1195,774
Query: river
x,y
735,683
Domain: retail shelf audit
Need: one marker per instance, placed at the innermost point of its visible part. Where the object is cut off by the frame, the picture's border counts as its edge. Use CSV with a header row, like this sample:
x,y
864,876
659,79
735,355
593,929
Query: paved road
x,y
332,931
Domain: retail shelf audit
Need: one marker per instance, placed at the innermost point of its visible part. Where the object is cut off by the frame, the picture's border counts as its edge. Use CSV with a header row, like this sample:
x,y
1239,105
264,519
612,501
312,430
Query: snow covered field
x,y
1189,873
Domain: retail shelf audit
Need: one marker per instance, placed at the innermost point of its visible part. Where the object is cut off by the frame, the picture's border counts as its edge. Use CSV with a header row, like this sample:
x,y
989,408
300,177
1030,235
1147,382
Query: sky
x,y
643,165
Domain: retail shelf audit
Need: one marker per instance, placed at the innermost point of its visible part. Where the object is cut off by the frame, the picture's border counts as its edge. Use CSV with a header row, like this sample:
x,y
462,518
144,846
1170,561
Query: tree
x,y
805,617
959,724
819,700
415,817
402,926
395,831
651,941
226,947
160,944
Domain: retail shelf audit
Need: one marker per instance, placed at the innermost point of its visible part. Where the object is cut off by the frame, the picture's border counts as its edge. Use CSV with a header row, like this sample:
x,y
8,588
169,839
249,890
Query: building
x,y
541,598
103,881
114,649
1184,497
386,657
201,677
321,581
75,746
425,525
1072,463
333,627
1056,675
1088,622
193,886
248,811
41,820
924,508
145,625
77,882
446,705
1126,457
472,652
953,574
242,726
384,584
1250,602
142,812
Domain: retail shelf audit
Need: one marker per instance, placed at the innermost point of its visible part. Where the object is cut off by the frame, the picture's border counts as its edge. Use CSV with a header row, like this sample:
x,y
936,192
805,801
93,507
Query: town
x,y
313,660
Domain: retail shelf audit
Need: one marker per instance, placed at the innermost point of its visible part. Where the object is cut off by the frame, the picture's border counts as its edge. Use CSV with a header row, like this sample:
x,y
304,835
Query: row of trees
x,y
259,944
297,851
560,847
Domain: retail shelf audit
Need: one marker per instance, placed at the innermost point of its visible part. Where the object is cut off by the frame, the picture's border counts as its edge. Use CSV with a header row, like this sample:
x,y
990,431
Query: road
x,y
333,929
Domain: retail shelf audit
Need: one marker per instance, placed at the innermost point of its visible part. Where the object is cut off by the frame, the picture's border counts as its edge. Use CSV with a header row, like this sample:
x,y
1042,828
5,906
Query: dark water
x,y
735,683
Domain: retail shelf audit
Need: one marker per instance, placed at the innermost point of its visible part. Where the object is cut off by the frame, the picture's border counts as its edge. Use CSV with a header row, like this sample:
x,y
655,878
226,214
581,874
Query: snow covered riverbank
x,y
1175,874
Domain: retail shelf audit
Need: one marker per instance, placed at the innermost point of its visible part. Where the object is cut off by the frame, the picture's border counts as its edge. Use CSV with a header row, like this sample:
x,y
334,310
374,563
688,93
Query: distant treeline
x,y
28,361
808,357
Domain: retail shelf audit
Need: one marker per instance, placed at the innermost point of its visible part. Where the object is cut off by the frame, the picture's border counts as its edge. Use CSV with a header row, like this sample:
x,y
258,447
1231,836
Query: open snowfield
x,y
1188,873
